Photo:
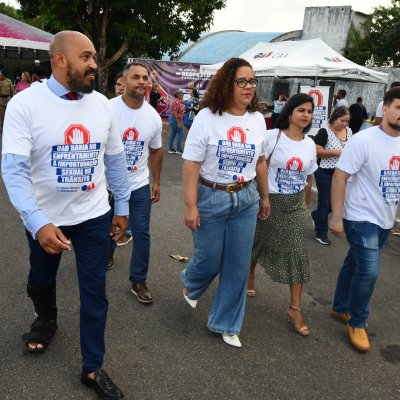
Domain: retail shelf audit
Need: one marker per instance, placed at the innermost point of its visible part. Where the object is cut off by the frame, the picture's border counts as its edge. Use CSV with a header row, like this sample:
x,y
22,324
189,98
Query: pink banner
x,y
171,75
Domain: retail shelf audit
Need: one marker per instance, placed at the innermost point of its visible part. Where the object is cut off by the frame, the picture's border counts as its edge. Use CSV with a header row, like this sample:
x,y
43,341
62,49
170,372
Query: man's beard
x,y
76,81
394,126
135,95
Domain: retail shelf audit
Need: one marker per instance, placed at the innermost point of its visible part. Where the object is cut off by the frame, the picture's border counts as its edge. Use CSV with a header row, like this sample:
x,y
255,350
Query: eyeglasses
x,y
242,82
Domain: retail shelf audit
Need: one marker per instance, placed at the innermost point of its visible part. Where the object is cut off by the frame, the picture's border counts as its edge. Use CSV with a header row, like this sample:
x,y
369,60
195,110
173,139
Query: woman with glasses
x,y
330,142
224,153
280,241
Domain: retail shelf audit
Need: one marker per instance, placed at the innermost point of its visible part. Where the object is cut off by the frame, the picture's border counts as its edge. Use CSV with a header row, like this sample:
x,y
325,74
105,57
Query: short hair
x,y
338,113
119,75
219,94
342,92
390,95
177,93
295,101
39,71
394,84
133,64
359,99
155,85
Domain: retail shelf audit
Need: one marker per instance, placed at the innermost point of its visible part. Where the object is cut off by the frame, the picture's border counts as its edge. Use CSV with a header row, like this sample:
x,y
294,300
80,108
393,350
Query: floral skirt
x,y
280,241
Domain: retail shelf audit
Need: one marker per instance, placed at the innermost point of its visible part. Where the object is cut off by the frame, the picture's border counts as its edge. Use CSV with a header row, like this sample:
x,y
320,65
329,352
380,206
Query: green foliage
x,y
378,44
141,28
9,11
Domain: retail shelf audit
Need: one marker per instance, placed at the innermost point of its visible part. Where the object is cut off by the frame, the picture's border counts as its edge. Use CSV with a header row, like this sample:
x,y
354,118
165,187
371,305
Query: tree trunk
x,y
102,78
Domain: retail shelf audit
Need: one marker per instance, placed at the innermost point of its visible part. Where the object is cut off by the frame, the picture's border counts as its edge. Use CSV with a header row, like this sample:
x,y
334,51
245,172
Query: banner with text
x,y
320,94
171,75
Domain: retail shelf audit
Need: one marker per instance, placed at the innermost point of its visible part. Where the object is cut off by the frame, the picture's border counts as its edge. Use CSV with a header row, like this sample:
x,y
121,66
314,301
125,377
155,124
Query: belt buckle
x,y
231,187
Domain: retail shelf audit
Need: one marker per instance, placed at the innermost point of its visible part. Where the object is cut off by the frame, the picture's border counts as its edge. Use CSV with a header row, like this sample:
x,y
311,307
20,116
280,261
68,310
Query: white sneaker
x,y
232,340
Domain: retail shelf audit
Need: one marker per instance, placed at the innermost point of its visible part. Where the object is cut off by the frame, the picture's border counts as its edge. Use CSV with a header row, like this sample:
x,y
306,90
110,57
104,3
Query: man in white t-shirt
x,y
379,112
339,99
140,129
365,207
54,165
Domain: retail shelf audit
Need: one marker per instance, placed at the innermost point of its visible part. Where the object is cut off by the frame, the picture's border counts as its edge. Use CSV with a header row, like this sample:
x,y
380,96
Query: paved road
x,y
164,351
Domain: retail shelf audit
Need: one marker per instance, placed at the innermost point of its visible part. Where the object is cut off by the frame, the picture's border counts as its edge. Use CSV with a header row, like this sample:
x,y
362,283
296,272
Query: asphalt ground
x,y
164,351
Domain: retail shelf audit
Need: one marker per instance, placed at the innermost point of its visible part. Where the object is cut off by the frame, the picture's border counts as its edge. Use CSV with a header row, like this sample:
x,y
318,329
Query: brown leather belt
x,y
231,187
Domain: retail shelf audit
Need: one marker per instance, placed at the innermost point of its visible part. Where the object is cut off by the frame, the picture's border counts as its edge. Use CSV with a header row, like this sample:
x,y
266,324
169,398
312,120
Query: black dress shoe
x,y
140,290
102,384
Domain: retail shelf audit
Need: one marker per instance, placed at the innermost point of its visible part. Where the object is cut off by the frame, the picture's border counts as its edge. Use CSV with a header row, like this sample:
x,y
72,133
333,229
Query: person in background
x,y
119,90
6,92
358,114
154,96
176,123
365,207
59,212
221,204
192,105
278,105
38,76
119,87
339,99
280,242
24,82
379,113
330,142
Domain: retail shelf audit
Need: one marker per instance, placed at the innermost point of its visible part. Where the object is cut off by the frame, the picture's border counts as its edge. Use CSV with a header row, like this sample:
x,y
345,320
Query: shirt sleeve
x,y
156,140
17,179
321,138
353,156
197,140
117,179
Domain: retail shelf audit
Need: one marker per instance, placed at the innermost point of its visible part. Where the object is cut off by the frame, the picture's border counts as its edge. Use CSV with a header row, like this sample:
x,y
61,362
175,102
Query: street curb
x,y
396,221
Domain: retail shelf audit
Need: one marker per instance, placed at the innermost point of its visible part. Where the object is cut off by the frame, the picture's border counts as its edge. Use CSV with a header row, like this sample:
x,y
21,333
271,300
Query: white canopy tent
x,y
304,58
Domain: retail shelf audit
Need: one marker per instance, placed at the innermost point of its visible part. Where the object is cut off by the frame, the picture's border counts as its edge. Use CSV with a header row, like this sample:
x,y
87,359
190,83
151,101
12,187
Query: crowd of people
x,y
79,180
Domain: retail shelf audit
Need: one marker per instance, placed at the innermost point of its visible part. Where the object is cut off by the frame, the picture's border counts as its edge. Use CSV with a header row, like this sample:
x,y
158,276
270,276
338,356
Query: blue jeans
x,y
360,270
222,245
320,214
139,222
90,240
175,131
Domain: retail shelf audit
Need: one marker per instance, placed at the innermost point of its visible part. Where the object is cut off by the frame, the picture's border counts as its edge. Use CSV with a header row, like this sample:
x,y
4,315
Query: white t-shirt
x,y
379,111
372,193
66,142
228,146
342,103
139,129
291,162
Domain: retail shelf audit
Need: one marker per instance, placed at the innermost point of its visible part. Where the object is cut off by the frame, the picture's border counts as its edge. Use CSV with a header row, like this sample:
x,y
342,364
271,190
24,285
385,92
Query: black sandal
x,y
42,331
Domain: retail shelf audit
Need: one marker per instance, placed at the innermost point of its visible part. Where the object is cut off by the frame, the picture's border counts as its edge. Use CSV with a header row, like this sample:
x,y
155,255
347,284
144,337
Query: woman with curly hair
x,y
223,155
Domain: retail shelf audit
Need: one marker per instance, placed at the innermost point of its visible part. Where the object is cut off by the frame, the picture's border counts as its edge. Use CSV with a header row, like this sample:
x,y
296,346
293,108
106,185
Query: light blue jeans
x,y
360,269
222,245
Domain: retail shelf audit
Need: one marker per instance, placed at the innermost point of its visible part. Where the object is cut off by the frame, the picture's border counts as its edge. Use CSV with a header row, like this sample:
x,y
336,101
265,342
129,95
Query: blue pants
x,y
321,213
139,222
360,270
90,240
222,245
175,131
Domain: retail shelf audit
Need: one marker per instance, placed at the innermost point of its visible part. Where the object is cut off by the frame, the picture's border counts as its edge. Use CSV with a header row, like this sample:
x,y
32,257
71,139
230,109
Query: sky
x,y
278,15
271,15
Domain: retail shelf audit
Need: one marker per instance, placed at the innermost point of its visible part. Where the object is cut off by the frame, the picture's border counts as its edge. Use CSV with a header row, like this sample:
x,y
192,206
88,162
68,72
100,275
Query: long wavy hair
x,y
219,94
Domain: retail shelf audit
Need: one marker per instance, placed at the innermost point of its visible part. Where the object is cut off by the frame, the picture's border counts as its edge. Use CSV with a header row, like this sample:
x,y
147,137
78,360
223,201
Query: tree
x,y
142,28
378,42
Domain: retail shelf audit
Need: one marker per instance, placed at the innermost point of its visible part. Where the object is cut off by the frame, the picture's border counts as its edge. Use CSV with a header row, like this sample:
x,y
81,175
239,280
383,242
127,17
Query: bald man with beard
x,y
60,144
